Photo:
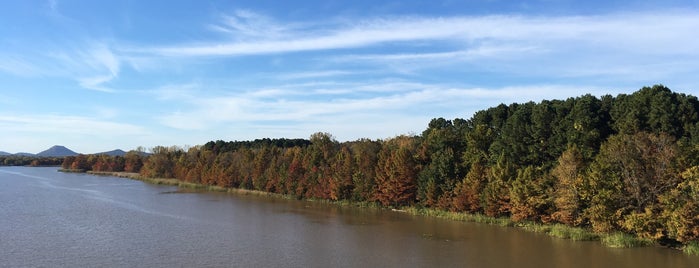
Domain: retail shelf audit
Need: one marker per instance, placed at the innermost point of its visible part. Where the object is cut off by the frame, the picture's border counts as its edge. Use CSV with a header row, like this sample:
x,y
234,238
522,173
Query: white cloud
x,y
397,102
598,48
96,83
399,108
175,91
58,124
105,112
15,65
491,52
639,32
315,74
244,24
92,65
181,121
103,66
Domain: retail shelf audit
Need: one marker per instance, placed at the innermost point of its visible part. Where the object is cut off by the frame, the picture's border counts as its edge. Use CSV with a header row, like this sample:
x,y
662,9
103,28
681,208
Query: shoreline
x,y
179,183
555,230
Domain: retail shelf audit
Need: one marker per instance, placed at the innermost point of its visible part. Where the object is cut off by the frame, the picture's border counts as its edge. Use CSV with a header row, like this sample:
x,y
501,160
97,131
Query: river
x,y
53,219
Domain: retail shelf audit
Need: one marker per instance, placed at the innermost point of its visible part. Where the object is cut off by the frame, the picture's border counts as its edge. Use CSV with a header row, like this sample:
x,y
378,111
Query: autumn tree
x,y
263,158
68,162
160,163
396,177
133,161
496,192
81,163
295,181
627,177
365,154
530,195
568,197
681,208
467,193
341,185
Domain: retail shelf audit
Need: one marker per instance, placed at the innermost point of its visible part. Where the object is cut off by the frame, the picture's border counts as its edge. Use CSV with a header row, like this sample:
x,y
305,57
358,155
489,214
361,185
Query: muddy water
x,y
52,219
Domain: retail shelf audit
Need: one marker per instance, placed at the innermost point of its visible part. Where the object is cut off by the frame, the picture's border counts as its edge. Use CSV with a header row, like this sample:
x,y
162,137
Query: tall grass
x,y
623,240
555,230
691,248
456,216
561,231
572,233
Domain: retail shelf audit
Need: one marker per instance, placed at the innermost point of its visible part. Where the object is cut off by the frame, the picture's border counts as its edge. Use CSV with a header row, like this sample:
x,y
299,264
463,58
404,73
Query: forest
x,y
626,163
20,160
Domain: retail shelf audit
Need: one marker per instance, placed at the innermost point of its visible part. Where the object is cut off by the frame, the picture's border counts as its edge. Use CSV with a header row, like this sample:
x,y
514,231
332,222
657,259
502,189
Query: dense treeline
x,y
220,146
626,163
18,160
131,162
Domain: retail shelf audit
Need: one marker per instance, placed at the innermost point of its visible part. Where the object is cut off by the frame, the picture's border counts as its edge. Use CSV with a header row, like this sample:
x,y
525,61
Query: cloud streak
x,y
92,65
79,125
102,66
399,103
640,32
244,24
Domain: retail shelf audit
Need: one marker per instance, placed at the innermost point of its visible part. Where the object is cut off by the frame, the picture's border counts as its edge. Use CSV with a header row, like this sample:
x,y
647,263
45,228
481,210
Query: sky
x,y
100,75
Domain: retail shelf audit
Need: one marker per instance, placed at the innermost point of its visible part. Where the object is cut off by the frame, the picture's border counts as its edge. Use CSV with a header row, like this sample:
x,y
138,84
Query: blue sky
x,y
100,75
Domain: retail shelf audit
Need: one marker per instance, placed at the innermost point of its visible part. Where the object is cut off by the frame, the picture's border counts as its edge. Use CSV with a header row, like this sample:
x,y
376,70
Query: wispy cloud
x,y
315,74
175,91
503,52
18,66
399,103
246,24
641,32
91,64
52,124
102,61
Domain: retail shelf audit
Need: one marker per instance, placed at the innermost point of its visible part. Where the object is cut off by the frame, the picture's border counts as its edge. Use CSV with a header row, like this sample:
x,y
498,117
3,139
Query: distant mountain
x,y
57,151
117,152
61,151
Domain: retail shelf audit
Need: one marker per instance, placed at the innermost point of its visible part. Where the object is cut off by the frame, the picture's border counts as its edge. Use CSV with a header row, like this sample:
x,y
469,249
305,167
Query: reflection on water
x,y
55,219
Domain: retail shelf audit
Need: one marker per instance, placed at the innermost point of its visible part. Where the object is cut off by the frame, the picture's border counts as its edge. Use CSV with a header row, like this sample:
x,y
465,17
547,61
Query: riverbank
x,y
560,231
182,184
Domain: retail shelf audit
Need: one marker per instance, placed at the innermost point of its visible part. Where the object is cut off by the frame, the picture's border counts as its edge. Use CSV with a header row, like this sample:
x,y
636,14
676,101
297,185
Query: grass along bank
x,y
692,248
181,184
555,230
623,240
561,231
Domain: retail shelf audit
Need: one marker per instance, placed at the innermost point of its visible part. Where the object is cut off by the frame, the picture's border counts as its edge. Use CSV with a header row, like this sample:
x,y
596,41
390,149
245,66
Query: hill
x,y
57,151
117,152
4,153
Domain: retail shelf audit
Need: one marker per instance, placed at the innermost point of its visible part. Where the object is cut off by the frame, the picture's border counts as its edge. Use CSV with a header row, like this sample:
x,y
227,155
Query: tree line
x,y
21,160
615,163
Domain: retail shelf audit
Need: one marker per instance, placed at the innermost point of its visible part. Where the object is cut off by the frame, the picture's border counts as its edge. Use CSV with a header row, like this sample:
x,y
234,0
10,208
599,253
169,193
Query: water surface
x,y
53,219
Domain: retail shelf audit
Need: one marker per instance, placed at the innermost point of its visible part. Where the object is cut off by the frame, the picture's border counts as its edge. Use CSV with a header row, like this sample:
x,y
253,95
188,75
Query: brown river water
x,y
53,219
